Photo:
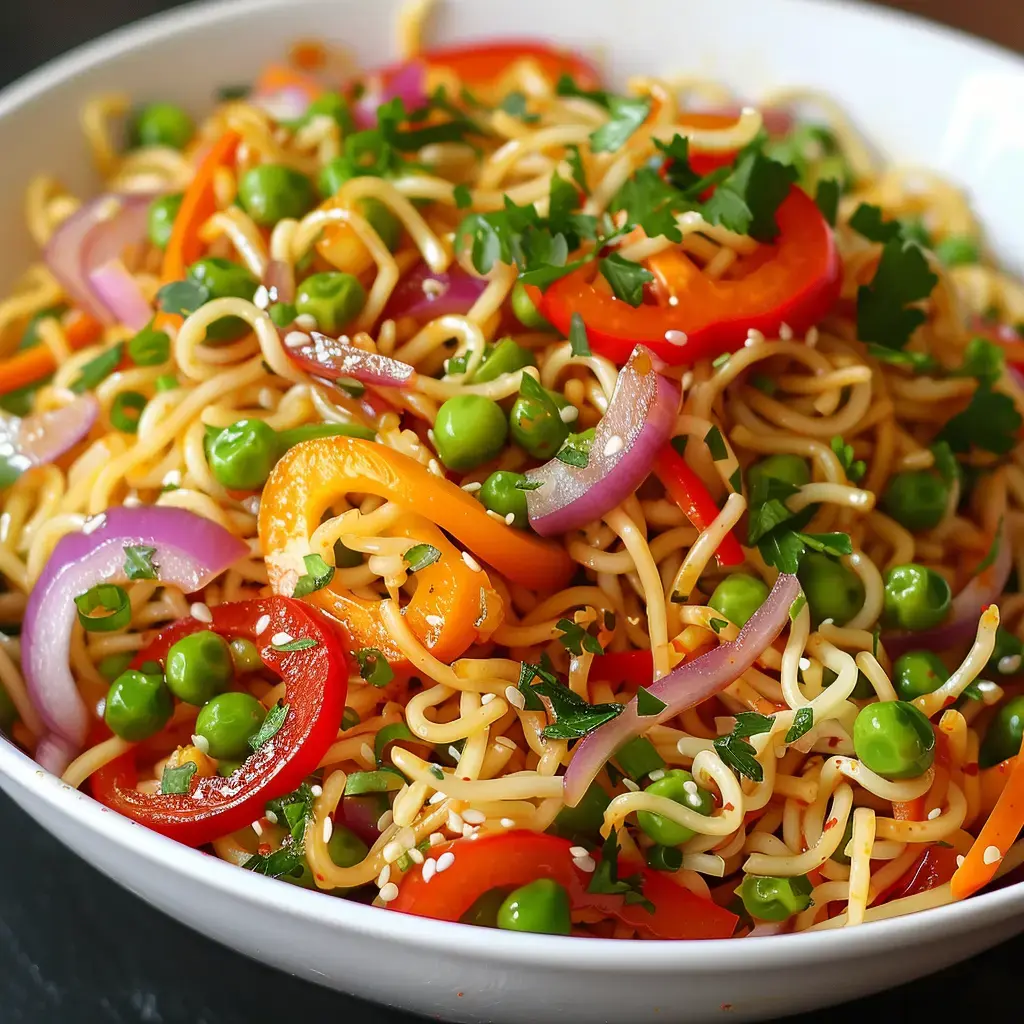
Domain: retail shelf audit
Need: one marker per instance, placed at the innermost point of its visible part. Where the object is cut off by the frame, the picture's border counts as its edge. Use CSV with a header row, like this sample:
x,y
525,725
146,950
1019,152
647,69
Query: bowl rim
x,y
541,951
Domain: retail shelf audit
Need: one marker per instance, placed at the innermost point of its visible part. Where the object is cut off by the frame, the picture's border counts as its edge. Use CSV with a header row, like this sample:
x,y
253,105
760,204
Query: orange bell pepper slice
x,y
33,364
447,604
478,64
278,77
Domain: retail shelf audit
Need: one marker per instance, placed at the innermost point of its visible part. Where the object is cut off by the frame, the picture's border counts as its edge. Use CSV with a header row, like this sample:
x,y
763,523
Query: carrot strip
x,y
35,363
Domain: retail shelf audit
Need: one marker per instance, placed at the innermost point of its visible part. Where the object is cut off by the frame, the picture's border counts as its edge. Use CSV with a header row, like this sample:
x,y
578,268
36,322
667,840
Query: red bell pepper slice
x,y
635,668
687,490
316,683
933,868
793,281
512,859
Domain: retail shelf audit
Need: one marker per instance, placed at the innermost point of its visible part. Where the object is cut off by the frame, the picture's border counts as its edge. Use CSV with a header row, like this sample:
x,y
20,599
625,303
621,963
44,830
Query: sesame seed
x,y
200,612
252,504
507,823
271,817
257,828
585,863
328,828
960,861
785,332
172,478
510,518
494,515
1009,663
445,861
385,821
614,445
93,523
267,398
415,856
261,624
367,753
389,893
436,798
472,487
392,851
306,321
201,743
436,838
487,698
780,751
811,339
676,337
658,773
568,414
384,877
515,698
280,639
296,339
474,817
690,787
992,855
455,822
805,664
317,790
470,831
471,561
934,813
827,622
429,867
430,438
434,620
578,851
631,785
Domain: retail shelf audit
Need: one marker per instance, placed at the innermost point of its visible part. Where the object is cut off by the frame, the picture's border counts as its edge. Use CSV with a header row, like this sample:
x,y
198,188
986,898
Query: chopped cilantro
x,y
827,198
716,444
576,450
627,279
574,717
627,114
605,878
419,556
271,725
177,781
990,422
463,196
803,720
97,370
138,562
854,468
647,704
747,200
902,277
870,222
578,343
575,639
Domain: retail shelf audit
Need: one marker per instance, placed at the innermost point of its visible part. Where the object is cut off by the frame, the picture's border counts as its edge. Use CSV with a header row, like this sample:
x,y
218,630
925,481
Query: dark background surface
x,y
76,948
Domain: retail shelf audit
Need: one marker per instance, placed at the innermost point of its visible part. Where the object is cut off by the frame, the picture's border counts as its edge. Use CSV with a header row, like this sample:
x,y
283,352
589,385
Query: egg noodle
x,y
473,761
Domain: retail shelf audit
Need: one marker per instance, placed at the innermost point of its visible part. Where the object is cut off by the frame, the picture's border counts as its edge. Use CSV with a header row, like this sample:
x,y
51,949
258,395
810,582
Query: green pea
x,y
382,220
160,219
537,426
738,596
583,822
918,672
272,192
1006,646
113,665
245,655
1004,733
790,469
333,175
500,494
675,784
8,712
224,280
484,911
894,739
228,722
345,848
242,455
915,598
525,311
333,299
138,705
199,667
862,690
505,357
840,856
775,899
161,124
469,431
958,251
541,907
916,500
332,105
227,768
833,591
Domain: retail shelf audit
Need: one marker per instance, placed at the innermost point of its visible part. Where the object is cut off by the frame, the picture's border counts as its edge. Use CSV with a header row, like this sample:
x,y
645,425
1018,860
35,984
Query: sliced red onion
x,y
638,422
334,358
55,753
407,82
279,280
92,236
43,437
424,295
286,104
121,294
962,624
684,687
361,814
190,552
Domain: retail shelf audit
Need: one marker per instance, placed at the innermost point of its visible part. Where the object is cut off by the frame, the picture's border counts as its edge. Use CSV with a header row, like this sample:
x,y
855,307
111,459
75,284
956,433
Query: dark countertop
x,y
75,947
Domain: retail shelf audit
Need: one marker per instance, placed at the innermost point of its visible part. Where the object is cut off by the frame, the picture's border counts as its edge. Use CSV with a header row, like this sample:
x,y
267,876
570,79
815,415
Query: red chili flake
x,y
833,741
726,1006
319,877
831,823
971,768
949,700
728,807
263,849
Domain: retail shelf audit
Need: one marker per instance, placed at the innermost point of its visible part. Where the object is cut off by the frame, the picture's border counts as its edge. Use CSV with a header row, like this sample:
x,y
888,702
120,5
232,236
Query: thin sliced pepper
x,y
635,668
33,364
312,476
793,281
316,683
688,491
512,859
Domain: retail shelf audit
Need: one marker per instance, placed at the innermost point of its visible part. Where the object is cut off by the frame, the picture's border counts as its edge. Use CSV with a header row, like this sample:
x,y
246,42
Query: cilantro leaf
x,y
717,625
138,562
182,298
797,606
463,196
716,444
651,203
627,279
782,549
318,575
605,878
178,780
419,556
566,86
677,164
827,199
575,162
627,114
917,362
574,717
271,725
803,720
870,222
576,450
578,343
902,277
647,704
747,200
990,422
739,755
945,462
832,544
752,723
293,809
983,360
575,639
765,517
97,370
855,469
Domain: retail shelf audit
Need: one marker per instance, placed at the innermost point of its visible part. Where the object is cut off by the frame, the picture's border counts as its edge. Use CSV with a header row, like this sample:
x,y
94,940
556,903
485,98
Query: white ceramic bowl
x,y
925,95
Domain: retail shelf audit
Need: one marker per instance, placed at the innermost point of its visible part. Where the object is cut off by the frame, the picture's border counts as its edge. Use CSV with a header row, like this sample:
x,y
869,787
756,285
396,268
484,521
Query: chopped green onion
x,y
125,411
111,598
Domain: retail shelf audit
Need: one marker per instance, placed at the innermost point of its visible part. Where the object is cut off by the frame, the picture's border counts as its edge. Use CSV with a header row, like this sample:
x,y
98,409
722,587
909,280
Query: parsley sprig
x,y
574,717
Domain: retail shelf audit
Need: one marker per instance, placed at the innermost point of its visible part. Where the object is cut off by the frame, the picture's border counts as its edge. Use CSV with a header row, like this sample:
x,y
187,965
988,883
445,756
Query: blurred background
x,y
74,947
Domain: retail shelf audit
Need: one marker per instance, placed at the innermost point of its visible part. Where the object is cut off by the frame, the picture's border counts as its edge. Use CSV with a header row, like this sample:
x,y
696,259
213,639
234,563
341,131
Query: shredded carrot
x,y
34,364
998,833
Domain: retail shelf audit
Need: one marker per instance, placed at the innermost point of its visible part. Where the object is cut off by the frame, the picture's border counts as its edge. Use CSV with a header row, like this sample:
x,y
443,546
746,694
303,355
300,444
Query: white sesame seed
x,y
251,504
827,622
585,863
436,838
1009,663
435,467
510,518
934,813
317,790
257,828
631,785
472,487
785,332
172,478
494,515
430,438
201,743
470,831
515,697
280,639
261,624
445,861
658,773
811,339
429,867
455,822
507,823
568,414
267,398
306,321
434,620
366,751
385,821
296,339
415,856
754,337
676,337
384,877
992,855
392,851
487,698
578,851
690,787
436,798
271,817
960,861
328,828
474,817
471,561
389,893
614,445
93,523
200,612
805,664
504,741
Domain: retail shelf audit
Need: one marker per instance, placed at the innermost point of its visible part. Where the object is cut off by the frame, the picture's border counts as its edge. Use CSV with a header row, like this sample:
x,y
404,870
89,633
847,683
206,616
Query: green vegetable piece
x,y
484,912
138,705
582,823
224,279
160,220
525,311
738,596
242,455
1007,646
791,469
333,299
113,665
638,757
676,785
228,722
535,421
918,672
334,106
505,357
345,848
469,431
272,192
161,124
541,907
775,899
863,689
501,494
833,591
244,655
894,739
1004,733
958,251
840,856
199,666
916,500
915,598
382,220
